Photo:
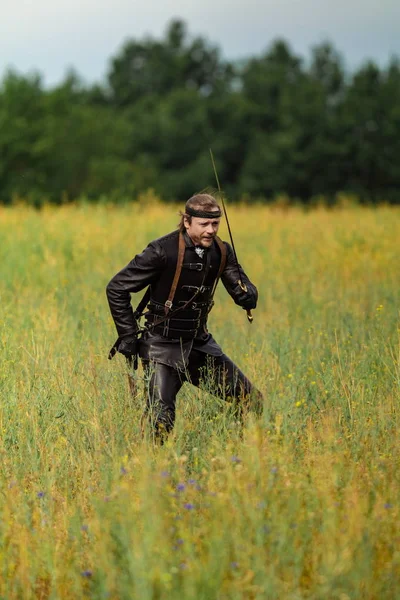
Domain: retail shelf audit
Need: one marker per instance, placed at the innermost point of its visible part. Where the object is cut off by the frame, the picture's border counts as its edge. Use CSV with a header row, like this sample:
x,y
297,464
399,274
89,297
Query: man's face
x,y
202,231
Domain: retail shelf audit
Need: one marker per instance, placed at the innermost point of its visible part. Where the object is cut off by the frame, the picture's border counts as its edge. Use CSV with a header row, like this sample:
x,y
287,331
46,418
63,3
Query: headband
x,y
203,214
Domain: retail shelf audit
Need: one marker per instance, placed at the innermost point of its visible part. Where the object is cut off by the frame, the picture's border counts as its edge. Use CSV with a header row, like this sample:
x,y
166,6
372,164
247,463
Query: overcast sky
x,y
52,35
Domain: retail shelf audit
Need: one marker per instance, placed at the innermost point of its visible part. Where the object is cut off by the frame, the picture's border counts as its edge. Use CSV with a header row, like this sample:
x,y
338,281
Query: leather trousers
x,y
217,374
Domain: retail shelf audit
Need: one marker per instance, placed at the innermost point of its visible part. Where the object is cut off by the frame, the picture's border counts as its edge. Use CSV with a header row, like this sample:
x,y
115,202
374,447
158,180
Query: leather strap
x,y
167,319
179,263
222,264
168,304
158,322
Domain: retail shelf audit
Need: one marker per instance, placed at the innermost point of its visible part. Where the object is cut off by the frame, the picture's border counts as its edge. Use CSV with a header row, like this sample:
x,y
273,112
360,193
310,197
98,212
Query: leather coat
x,y
152,267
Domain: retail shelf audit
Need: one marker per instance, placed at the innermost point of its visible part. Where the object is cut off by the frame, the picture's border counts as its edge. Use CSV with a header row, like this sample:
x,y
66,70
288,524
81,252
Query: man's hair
x,y
204,202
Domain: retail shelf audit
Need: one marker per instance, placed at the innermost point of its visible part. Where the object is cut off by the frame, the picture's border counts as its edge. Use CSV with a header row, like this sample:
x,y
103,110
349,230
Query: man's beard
x,y
210,239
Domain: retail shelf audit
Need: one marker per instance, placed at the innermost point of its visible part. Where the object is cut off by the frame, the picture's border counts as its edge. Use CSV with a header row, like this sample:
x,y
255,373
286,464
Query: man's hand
x,y
249,303
246,299
128,346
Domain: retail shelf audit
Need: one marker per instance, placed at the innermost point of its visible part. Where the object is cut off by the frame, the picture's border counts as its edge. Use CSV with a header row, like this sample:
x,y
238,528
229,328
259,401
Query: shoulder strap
x,y
222,263
179,262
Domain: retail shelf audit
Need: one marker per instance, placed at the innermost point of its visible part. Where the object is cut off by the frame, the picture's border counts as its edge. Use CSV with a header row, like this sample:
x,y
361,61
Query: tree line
x,y
278,124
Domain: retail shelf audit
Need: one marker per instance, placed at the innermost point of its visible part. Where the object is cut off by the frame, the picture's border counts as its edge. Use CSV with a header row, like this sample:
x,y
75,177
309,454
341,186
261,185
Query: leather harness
x,y
169,302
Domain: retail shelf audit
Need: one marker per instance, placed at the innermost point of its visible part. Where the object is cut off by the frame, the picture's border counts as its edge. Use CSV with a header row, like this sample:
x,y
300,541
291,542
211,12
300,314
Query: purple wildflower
x,y
86,573
40,494
123,471
180,487
234,565
235,459
192,482
388,505
189,506
85,528
164,474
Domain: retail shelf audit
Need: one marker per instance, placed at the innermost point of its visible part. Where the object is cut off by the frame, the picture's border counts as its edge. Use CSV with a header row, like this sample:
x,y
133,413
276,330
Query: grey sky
x,y
52,35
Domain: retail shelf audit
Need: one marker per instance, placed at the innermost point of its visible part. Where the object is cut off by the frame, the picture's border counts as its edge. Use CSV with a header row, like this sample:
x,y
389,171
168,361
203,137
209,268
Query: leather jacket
x,y
149,268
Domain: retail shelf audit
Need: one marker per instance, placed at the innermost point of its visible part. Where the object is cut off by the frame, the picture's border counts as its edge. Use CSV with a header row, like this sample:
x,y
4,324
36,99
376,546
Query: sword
x,y
242,285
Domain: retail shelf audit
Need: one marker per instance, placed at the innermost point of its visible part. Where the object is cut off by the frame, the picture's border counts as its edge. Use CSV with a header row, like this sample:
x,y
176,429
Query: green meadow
x,y
303,503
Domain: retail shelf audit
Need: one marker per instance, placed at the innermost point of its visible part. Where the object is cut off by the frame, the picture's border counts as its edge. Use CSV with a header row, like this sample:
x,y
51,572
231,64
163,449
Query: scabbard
x,y
114,349
132,364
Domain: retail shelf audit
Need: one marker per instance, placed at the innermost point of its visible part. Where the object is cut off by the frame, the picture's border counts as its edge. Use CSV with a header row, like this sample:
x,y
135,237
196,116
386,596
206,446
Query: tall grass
x,y
303,503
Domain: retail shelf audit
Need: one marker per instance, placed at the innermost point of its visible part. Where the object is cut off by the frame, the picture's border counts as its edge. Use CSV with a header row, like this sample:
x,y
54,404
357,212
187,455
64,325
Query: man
x,y
182,270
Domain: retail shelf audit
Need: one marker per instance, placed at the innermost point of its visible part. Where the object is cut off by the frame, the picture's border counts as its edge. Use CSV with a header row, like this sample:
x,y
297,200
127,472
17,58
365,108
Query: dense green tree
x,y
327,70
369,121
389,150
230,135
81,145
152,67
276,88
172,135
21,120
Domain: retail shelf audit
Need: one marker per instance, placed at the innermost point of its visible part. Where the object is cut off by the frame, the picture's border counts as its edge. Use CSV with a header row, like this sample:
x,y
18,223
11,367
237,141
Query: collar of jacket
x,y
188,240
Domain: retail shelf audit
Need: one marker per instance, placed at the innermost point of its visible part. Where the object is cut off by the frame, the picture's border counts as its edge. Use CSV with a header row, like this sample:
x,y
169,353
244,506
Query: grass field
x,y
303,503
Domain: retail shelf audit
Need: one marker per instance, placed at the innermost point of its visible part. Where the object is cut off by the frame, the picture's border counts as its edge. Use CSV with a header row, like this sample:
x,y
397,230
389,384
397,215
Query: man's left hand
x,y
128,346
246,300
248,303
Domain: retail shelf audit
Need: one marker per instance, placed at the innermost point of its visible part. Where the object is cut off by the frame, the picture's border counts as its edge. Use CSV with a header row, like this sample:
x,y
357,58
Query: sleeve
x,y
143,270
230,278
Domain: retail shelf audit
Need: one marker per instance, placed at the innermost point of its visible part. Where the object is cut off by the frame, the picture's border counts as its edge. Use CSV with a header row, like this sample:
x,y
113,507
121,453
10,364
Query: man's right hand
x,y
246,299
128,346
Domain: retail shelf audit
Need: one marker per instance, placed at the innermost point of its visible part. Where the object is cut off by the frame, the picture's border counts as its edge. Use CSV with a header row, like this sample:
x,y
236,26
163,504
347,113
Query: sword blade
x,y
243,287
